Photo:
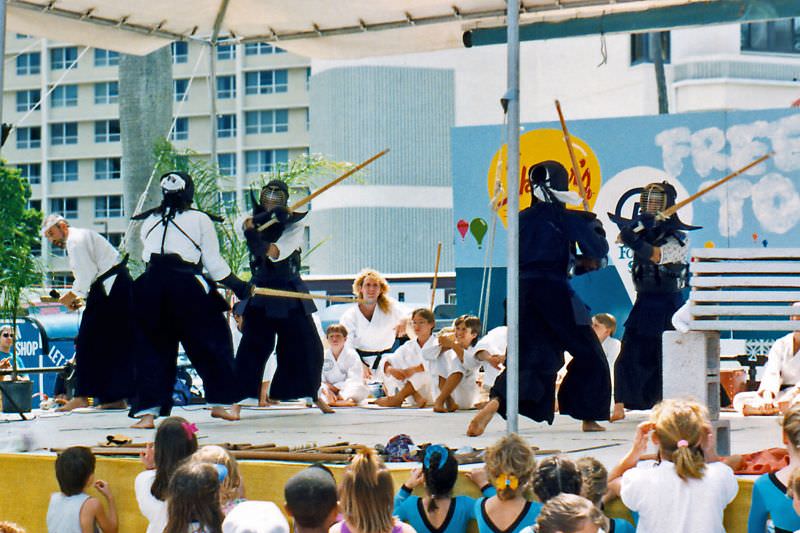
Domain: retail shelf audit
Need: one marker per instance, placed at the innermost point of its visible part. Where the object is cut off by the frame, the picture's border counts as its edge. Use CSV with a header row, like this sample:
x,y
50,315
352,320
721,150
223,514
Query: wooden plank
x,y
744,325
745,253
745,267
743,310
745,281
744,296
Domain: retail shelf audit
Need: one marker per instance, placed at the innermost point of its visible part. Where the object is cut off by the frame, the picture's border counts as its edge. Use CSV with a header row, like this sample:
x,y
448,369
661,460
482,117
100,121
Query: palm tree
x,y
145,115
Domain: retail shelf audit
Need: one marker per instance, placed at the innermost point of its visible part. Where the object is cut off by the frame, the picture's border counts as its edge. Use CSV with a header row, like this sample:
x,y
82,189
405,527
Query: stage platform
x,y
28,477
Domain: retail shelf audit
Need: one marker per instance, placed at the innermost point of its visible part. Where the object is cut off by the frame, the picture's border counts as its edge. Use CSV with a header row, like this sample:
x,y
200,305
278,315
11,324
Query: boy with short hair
x,y
604,326
311,500
72,510
342,378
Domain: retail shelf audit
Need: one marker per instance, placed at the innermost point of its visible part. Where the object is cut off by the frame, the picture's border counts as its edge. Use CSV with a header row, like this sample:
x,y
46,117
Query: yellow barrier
x,y
26,482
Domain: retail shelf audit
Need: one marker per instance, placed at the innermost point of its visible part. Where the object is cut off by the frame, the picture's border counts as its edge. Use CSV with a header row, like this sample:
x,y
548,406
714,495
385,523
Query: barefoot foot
x,y
389,401
479,422
323,406
145,422
451,404
618,413
220,412
590,426
74,403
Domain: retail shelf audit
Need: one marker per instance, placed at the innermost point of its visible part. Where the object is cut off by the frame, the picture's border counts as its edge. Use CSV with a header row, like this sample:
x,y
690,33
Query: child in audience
x,y
342,376
175,441
510,464
193,499
404,371
231,489
594,485
555,475
72,510
438,511
769,500
794,490
681,492
10,527
366,498
311,500
570,513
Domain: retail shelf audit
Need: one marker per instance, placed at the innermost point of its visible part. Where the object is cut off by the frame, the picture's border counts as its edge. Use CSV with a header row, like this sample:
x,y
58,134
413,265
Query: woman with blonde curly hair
x,y
680,491
375,321
366,498
510,464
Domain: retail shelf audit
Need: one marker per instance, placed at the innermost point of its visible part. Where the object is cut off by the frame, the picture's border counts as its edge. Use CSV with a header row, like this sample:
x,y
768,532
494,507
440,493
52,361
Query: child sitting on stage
x,y
455,364
312,500
438,511
72,509
510,464
342,377
404,371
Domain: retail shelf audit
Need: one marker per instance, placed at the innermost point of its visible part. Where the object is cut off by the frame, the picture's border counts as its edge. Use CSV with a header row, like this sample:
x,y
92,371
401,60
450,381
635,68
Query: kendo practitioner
x,y
659,270
279,323
103,286
552,318
176,301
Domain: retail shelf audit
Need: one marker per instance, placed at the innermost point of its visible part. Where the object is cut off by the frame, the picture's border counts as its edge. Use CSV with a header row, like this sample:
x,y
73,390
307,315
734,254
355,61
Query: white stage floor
x,y
296,425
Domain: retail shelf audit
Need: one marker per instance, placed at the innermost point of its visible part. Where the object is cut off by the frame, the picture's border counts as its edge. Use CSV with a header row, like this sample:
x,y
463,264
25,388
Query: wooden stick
x,y
307,457
303,201
575,167
668,212
264,291
435,273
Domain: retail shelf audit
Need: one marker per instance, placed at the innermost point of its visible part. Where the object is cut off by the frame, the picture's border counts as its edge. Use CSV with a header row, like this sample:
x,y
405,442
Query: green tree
x,y
19,231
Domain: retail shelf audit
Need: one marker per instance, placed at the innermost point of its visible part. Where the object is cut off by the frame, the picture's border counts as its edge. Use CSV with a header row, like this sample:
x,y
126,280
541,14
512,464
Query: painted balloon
x,y
462,226
709,244
478,228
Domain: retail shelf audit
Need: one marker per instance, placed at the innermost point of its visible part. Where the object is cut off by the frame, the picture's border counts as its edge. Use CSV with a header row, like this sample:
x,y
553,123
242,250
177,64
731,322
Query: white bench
x,y
733,289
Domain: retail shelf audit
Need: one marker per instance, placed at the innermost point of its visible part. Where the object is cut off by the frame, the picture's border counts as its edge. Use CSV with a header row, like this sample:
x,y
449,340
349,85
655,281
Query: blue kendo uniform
x,y
553,319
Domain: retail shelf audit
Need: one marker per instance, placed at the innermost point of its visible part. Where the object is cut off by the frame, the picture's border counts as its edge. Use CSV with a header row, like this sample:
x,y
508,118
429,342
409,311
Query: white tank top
x,y
64,513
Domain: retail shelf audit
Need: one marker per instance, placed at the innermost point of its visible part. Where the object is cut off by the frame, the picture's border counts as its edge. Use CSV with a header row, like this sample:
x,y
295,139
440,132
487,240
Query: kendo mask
x,y
274,194
550,183
177,189
656,197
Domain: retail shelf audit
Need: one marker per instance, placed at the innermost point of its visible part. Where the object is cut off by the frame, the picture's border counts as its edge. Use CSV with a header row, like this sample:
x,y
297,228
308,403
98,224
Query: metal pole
x,y
212,98
512,186
2,51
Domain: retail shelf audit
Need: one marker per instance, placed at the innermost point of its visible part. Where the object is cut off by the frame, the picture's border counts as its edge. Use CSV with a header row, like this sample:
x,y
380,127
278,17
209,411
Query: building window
x,y
227,164
63,133
308,79
264,160
106,92
29,137
226,51
226,87
781,36
180,52
271,121
66,170
106,131
105,58
27,100
66,207
644,44
227,201
180,132
30,63
64,96
226,126
179,89
109,168
61,279
34,204
31,172
61,58
20,36
267,81
108,207
259,49
308,119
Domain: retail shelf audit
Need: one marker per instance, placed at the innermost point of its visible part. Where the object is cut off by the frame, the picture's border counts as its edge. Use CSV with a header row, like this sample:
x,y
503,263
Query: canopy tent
x,y
358,28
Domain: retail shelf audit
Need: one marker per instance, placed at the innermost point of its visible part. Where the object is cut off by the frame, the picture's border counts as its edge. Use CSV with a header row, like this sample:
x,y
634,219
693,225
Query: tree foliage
x,y
19,231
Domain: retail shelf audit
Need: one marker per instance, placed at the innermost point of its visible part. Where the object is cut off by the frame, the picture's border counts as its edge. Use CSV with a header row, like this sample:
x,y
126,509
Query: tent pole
x,y
512,177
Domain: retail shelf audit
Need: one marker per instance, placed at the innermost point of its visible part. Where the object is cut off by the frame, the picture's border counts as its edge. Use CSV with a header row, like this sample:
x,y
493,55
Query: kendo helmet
x,y
177,188
273,194
656,197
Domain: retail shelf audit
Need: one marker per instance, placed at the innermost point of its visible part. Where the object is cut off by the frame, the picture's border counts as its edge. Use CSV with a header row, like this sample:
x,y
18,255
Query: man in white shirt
x,y
103,347
375,322
177,302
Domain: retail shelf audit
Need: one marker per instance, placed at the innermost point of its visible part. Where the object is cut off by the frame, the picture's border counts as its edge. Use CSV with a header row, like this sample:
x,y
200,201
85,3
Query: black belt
x,y
377,355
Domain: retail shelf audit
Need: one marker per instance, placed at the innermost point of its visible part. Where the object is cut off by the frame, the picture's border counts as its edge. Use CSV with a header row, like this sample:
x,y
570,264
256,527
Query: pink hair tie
x,y
683,443
190,429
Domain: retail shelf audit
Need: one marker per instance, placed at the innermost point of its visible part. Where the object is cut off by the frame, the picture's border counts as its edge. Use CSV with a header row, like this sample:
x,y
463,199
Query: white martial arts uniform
x,y
611,348
495,342
781,374
444,363
345,374
90,255
406,356
374,335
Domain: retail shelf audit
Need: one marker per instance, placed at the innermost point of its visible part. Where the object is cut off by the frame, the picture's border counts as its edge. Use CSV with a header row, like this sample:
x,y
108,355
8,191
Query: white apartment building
x,y
69,145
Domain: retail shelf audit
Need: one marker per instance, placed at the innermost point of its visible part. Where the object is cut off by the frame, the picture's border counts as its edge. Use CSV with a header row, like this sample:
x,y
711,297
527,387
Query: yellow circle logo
x,y
537,146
